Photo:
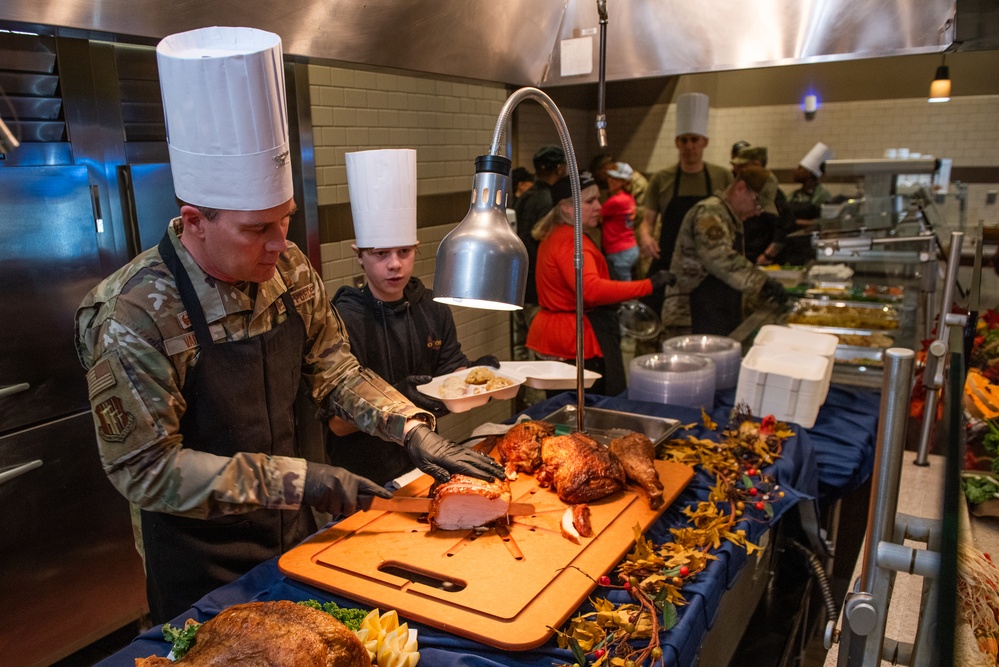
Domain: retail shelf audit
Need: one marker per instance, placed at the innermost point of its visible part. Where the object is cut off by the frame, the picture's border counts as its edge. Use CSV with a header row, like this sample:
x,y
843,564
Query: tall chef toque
x,y
227,124
692,114
382,185
815,157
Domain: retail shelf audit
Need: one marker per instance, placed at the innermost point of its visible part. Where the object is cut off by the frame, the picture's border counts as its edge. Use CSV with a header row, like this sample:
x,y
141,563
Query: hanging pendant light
x,y
940,87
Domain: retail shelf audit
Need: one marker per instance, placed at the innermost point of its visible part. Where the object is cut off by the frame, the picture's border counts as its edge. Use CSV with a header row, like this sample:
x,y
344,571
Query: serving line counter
x,y
819,464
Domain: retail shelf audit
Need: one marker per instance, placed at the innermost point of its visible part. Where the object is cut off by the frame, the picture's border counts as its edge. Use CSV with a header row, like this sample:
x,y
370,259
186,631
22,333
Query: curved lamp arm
x,y
570,160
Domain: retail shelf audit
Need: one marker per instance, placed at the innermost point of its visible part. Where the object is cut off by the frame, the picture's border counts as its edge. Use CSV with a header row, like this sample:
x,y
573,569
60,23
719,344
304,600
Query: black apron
x,y
240,398
606,328
715,306
669,230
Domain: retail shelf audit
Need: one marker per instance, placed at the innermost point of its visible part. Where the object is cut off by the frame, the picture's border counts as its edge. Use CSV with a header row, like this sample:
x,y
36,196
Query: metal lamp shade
x,y
482,263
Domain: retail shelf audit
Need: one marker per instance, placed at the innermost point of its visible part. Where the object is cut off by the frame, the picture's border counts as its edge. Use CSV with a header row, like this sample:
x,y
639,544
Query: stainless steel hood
x,y
518,41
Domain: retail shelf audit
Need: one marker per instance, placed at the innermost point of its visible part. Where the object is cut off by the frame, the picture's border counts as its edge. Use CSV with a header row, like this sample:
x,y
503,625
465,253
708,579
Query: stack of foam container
x,y
786,373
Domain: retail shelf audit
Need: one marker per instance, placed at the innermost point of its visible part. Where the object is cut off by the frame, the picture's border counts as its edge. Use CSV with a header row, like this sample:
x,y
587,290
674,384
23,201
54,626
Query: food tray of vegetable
x,y
850,355
844,315
846,292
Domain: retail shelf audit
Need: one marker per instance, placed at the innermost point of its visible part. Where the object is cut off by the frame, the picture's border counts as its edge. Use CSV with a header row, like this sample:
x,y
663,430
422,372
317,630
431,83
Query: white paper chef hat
x,y
813,161
382,185
227,124
692,114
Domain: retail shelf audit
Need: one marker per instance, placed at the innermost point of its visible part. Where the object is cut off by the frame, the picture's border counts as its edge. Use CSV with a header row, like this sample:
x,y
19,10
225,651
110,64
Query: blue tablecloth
x,y
823,462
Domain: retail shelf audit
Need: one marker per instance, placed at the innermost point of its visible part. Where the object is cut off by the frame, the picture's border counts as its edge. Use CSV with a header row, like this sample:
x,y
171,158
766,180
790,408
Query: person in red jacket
x,y
618,214
553,331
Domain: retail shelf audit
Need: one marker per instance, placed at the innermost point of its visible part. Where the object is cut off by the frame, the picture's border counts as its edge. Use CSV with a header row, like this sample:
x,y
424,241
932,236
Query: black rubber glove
x,y
440,458
408,388
487,360
336,490
662,279
774,291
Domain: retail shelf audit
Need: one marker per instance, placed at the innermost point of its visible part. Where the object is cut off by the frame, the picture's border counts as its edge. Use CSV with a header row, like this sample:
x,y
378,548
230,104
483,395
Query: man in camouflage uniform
x,y
195,352
711,269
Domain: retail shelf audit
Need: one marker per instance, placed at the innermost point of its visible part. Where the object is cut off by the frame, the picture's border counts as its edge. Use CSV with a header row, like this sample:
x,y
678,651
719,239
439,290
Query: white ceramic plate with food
x,y
550,375
472,387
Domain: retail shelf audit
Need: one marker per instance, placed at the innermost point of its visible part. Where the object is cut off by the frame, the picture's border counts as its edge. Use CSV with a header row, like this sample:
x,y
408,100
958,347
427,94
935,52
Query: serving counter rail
x,y
819,464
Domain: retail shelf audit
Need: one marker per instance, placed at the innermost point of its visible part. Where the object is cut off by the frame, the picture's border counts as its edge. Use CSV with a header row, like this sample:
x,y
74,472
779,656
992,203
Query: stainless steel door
x,y
149,202
50,261
69,572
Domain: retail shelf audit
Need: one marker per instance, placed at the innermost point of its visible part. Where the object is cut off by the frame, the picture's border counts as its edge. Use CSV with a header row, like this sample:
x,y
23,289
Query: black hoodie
x,y
412,336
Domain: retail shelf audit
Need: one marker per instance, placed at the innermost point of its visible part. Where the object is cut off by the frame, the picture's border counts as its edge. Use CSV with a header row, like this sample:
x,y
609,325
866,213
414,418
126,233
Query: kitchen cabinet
x,y
69,572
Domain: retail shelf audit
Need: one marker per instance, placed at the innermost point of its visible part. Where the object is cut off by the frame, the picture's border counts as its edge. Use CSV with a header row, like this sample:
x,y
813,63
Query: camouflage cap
x,y
751,154
764,184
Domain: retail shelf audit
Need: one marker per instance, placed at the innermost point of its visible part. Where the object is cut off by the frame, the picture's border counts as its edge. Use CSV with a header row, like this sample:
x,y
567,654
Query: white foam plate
x,y
551,375
472,400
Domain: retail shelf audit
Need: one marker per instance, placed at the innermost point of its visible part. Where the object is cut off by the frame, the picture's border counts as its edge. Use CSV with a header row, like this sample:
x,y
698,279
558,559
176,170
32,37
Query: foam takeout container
x,y
474,398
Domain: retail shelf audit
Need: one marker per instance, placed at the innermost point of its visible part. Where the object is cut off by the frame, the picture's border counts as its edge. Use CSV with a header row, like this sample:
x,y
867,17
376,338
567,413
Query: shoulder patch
x,y
303,294
180,343
114,422
183,320
99,378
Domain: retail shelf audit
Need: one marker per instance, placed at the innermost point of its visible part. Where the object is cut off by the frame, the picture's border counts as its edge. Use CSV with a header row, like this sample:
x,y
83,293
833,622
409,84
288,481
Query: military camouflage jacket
x,y
134,338
706,246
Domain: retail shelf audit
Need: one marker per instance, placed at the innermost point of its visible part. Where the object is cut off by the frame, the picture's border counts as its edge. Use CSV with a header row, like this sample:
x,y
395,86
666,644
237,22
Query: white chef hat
x,y
227,124
692,114
382,185
813,161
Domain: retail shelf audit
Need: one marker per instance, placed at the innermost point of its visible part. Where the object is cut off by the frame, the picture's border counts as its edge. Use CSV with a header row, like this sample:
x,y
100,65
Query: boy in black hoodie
x,y
395,327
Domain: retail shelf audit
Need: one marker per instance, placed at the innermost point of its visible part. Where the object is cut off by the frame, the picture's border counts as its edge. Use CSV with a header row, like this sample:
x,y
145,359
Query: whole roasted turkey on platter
x,y
576,466
271,634
579,468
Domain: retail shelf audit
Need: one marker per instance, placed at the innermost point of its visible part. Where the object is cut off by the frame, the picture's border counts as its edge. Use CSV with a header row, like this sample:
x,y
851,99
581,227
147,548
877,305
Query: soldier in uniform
x,y
196,349
712,272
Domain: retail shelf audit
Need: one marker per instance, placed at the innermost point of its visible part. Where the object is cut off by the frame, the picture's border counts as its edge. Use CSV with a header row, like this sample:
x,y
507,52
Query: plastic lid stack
x,y
725,352
673,378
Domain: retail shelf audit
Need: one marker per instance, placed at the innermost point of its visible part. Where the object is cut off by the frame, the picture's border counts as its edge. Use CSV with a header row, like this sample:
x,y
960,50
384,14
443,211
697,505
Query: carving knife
x,y
422,505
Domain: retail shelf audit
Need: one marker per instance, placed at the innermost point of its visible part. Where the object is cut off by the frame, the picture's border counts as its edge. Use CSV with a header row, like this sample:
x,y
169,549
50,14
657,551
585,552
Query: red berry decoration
x,y
751,472
753,491
599,653
684,570
627,586
604,580
760,505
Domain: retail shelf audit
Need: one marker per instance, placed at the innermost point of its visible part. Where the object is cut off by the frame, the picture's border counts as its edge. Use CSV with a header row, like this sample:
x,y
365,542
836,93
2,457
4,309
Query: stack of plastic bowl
x,y
725,352
675,378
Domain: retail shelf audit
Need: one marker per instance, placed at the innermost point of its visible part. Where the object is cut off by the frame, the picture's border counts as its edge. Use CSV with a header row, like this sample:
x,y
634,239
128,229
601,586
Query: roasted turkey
x,y
463,503
579,468
520,447
638,455
271,634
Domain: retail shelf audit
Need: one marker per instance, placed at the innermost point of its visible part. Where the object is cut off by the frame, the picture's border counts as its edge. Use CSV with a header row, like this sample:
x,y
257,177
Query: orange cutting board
x,y
506,587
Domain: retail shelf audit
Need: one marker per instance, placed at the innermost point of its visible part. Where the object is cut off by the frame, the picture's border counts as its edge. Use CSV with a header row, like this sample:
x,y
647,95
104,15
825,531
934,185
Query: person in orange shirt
x,y
553,331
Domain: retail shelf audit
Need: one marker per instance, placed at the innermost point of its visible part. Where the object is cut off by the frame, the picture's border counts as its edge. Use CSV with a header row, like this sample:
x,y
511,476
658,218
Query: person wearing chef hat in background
x,y
195,349
807,201
805,204
396,328
674,191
